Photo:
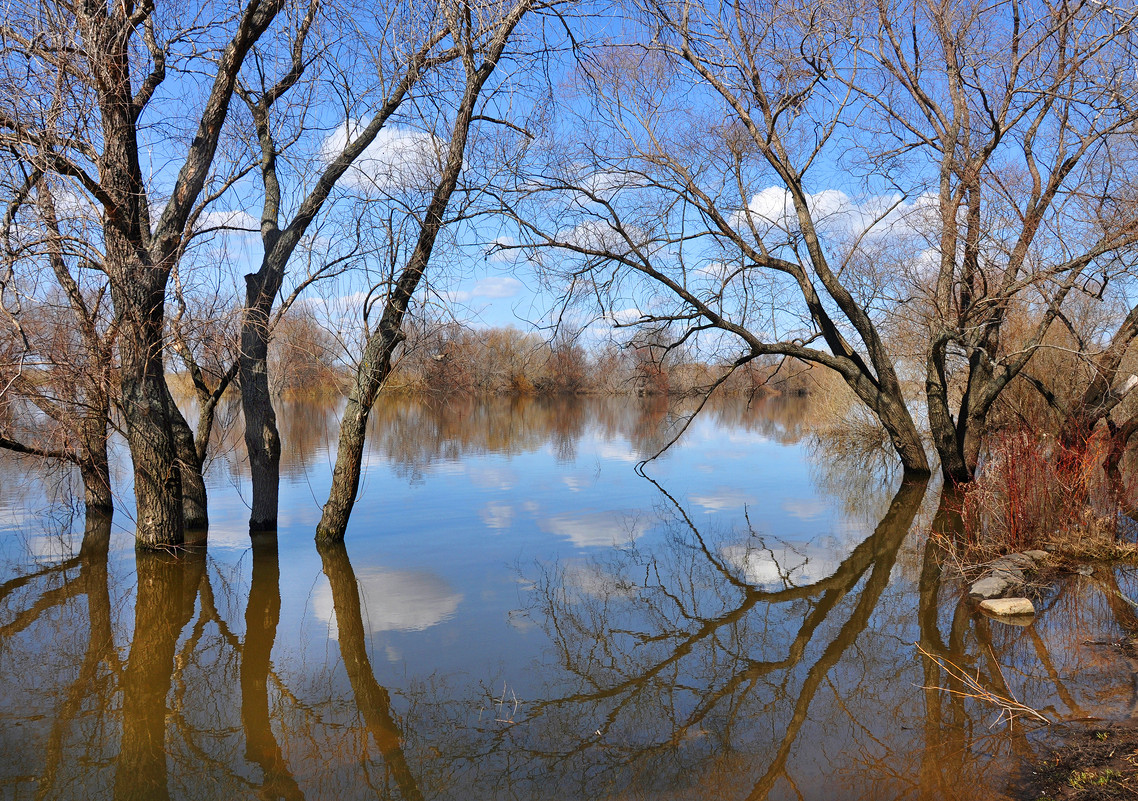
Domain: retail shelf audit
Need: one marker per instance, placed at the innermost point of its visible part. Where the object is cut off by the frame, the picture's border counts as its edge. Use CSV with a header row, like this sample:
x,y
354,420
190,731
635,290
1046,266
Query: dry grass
x,y
972,687
1034,493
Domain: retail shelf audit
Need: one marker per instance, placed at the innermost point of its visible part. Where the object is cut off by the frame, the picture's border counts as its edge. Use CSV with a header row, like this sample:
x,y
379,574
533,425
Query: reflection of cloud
x,y
520,620
393,600
723,498
617,452
574,483
804,508
594,529
48,548
494,478
497,515
593,580
782,563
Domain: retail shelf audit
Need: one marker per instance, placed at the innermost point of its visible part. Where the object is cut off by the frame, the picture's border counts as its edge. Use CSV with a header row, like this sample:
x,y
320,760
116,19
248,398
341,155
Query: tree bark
x,y
262,440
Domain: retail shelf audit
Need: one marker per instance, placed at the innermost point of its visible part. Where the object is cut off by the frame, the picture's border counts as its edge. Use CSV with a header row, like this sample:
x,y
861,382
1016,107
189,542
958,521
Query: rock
x,y
1015,561
991,586
1008,607
1008,573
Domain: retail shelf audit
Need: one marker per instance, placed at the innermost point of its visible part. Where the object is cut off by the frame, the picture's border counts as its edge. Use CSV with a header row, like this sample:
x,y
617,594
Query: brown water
x,y
518,614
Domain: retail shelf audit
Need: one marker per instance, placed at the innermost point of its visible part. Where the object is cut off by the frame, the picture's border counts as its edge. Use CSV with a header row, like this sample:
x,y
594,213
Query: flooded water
x,y
517,613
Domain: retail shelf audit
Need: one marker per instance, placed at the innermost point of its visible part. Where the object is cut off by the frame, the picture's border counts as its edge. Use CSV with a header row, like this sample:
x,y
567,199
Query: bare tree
x,y
85,121
1019,119
413,38
799,180
58,339
705,208
480,35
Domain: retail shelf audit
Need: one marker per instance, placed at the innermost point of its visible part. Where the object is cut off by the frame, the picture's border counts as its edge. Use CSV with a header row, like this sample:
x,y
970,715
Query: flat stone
x,y
1038,556
990,586
1008,607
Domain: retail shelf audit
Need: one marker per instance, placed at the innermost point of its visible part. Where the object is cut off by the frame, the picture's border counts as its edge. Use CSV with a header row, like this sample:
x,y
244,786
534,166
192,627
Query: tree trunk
x,y
95,467
262,440
372,372
949,447
894,416
195,514
150,436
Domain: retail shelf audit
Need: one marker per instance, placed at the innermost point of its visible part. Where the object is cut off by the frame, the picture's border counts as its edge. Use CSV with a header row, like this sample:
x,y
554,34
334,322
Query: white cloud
x,y
834,211
625,316
393,600
503,249
596,235
237,219
398,158
491,288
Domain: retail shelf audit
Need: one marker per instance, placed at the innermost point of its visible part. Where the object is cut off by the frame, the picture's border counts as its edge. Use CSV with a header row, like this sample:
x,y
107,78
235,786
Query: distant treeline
x,y
456,359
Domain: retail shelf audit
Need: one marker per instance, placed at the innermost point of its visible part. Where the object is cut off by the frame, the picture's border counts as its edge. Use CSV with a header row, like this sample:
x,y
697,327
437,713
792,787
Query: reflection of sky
x,y
595,529
724,498
439,554
393,600
776,564
477,520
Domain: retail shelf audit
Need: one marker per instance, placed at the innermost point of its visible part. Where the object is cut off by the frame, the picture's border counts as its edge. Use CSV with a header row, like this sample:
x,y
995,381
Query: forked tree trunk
x,y
140,251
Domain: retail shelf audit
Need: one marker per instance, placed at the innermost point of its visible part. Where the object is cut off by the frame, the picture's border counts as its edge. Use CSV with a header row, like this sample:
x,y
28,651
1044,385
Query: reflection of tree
x,y
671,670
93,583
372,699
413,433
167,593
262,615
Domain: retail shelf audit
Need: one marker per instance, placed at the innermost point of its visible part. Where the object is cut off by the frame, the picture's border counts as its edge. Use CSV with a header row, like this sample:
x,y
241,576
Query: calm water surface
x,y
518,614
